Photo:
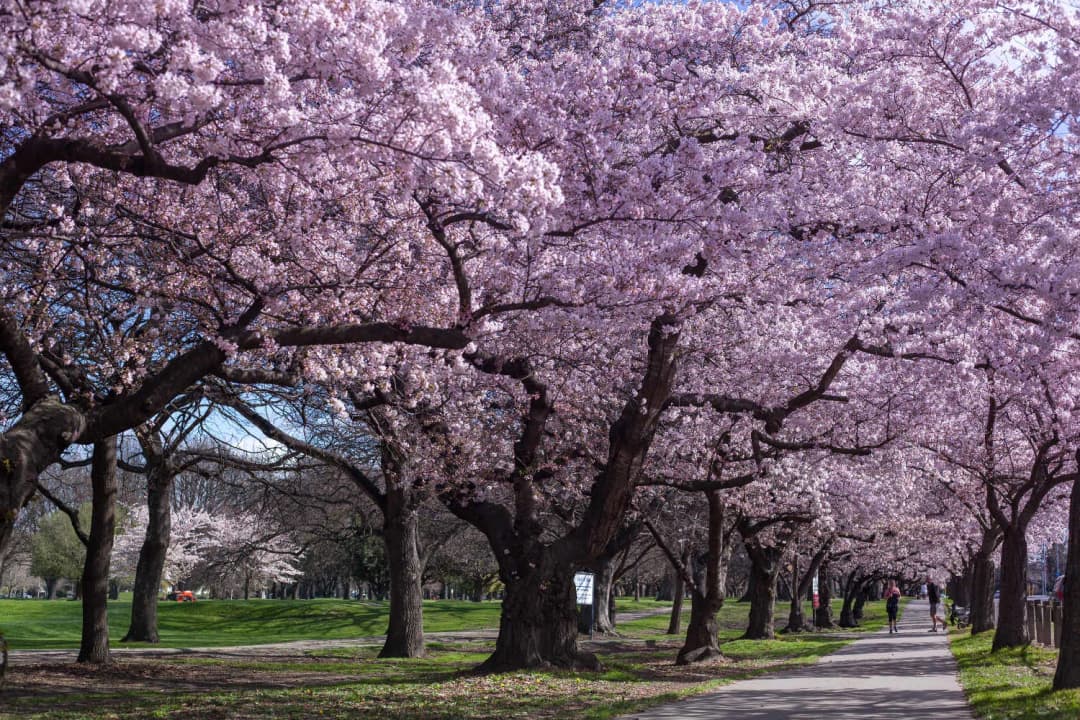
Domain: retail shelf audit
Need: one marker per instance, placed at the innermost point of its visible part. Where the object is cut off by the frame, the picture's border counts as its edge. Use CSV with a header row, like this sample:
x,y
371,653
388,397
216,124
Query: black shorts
x,y
933,609
892,611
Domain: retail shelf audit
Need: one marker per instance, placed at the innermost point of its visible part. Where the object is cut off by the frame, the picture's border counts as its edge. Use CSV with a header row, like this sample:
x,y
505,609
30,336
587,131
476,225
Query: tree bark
x,y
1067,675
675,623
602,601
960,587
405,636
34,442
860,601
750,591
847,615
710,581
667,587
94,647
803,589
152,554
982,593
823,616
763,572
538,625
796,616
1012,630
702,634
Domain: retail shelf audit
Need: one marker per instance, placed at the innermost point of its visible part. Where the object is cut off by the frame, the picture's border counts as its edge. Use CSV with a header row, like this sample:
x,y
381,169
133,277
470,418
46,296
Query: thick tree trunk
x,y
1012,630
1068,667
538,625
675,623
702,634
602,602
710,581
804,589
94,647
750,591
960,587
796,616
50,588
764,567
667,586
860,601
34,442
405,636
982,593
847,614
152,555
823,616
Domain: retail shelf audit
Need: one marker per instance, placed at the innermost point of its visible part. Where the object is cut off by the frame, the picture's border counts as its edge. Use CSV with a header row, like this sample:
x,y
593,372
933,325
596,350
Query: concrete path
x,y
880,677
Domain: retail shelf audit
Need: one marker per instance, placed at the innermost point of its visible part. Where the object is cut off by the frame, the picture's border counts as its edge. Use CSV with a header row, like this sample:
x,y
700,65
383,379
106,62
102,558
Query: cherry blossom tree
x,y
180,127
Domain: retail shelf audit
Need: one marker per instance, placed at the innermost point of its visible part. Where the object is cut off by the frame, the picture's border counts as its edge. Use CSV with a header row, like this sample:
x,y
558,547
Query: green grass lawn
x,y
1011,684
350,682
732,618
55,624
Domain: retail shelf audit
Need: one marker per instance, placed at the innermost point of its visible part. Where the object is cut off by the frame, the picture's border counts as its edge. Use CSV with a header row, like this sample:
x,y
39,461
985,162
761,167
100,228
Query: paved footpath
x,y
880,677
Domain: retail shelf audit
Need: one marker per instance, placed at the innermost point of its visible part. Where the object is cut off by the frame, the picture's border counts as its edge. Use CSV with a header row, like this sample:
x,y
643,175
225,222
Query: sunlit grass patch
x,y
1012,684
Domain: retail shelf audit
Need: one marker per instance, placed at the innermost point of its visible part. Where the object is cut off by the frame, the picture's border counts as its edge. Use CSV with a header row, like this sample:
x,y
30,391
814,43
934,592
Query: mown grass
x,y
732,619
350,682
1011,684
55,624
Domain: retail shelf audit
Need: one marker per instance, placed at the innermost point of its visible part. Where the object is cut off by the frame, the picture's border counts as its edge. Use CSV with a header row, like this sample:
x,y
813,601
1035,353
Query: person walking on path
x,y
933,594
892,605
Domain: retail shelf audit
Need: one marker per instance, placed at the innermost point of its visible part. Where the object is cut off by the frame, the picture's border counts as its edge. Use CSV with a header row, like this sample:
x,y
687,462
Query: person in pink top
x,y
892,605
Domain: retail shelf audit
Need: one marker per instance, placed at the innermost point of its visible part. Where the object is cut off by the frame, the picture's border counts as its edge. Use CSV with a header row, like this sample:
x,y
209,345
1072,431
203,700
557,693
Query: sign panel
x,y
583,583
815,586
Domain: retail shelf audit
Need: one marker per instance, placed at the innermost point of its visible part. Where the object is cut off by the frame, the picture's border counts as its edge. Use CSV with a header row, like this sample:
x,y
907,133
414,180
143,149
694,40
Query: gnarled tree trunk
x,y
702,634
538,626
710,581
34,442
1012,629
94,647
